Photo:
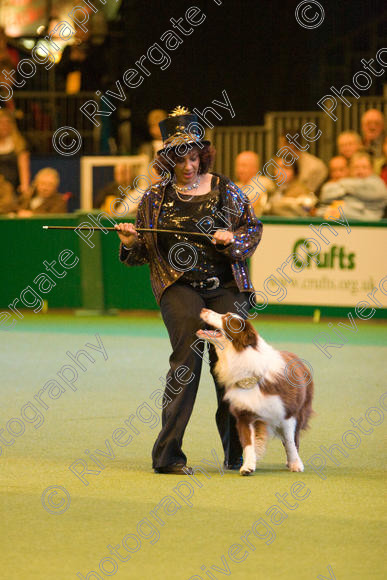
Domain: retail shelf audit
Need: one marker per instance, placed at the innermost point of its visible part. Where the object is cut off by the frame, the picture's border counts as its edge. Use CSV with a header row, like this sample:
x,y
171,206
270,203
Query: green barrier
x,y
99,282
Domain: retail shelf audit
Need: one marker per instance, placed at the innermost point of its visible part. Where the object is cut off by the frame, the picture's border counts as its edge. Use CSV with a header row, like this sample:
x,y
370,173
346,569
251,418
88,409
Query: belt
x,y
208,284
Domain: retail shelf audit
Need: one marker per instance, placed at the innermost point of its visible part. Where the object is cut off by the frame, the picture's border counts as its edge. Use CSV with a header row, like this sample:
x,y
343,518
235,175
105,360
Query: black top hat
x,y
181,127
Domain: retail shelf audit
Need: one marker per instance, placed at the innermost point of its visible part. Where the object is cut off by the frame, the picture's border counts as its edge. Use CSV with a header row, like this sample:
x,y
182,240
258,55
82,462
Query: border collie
x,y
269,391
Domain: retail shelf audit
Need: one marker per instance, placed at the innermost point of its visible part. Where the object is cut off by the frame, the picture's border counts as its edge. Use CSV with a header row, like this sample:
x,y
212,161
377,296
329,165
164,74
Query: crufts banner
x,y
297,264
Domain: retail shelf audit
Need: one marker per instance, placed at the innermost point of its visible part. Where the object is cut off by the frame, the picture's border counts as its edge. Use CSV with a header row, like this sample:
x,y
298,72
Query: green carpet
x,y
335,531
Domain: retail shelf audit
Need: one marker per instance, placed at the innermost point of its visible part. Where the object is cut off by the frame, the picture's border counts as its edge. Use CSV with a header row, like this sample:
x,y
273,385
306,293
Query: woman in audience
x,y
14,156
293,198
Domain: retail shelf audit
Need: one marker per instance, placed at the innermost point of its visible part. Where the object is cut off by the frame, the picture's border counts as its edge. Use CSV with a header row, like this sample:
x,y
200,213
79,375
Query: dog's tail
x,y
306,411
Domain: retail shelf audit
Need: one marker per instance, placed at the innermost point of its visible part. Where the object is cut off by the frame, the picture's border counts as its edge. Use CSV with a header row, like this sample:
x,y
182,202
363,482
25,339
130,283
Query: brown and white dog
x,y
269,391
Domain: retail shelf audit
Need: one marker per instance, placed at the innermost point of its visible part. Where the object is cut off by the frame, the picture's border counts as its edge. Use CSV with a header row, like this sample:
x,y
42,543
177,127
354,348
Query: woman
x,y
293,198
14,157
189,273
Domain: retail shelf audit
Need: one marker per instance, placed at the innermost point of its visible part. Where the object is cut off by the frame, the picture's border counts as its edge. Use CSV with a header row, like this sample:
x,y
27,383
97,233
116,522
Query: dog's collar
x,y
247,383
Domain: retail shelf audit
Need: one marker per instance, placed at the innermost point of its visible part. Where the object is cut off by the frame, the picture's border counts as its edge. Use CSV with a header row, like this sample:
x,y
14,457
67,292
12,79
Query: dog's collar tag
x,y
248,383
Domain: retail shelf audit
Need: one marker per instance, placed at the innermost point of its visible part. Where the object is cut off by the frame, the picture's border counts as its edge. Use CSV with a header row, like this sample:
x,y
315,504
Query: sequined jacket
x,y
237,211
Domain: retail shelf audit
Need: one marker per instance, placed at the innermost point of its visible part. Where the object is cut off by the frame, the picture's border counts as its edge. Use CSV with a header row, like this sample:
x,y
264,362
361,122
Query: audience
x,y
363,195
312,171
338,168
349,143
372,126
246,169
293,198
120,188
14,156
44,196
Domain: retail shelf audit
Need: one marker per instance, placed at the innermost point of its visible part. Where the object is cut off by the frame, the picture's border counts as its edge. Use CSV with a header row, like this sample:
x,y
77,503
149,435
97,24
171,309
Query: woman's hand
x,y
222,237
127,234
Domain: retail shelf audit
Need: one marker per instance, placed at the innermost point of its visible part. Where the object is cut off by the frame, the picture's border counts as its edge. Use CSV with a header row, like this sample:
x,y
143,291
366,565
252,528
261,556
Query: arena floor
x,y
333,530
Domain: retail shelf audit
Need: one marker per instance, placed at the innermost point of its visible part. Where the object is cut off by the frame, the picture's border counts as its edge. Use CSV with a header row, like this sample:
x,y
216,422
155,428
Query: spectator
x,y
363,195
14,157
312,171
338,168
349,143
8,201
119,188
246,169
372,126
293,198
150,148
45,197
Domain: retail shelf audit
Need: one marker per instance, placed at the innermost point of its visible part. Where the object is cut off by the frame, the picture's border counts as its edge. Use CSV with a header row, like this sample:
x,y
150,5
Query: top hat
x,y
181,127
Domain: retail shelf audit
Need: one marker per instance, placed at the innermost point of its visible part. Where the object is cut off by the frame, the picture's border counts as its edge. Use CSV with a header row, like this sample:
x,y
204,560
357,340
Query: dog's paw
x,y
295,465
246,470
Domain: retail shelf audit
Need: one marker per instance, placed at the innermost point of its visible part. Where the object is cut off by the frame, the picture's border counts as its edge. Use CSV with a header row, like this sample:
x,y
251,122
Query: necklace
x,y
178,189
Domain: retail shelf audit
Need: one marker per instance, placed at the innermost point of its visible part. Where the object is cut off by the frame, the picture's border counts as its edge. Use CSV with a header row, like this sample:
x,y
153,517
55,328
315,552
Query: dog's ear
x,y
249,335
243,336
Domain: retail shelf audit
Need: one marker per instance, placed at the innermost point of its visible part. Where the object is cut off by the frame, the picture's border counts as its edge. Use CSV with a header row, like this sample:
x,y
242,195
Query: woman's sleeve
x,y
247,235
137,254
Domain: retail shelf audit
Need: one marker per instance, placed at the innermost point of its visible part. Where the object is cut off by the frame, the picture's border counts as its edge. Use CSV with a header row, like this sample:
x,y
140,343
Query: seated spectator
x,y
363,195
14,157
312,171
44,196
349,143
293,198
8,200
338,168
120,188
246,169
372,126
150,148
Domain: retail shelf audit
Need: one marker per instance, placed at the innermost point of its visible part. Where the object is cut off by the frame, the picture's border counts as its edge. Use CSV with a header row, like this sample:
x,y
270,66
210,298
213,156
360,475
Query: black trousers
x,y
180,307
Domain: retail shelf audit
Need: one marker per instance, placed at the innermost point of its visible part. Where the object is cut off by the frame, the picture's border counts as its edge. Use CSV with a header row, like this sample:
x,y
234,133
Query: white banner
x,y
350,265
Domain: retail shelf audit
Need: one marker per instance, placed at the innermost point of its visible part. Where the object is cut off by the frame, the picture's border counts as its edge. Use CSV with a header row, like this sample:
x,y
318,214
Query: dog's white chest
x,y
269,408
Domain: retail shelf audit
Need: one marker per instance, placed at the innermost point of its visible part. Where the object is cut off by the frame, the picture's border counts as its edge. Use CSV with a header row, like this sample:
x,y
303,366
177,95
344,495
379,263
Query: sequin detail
x,y
236,209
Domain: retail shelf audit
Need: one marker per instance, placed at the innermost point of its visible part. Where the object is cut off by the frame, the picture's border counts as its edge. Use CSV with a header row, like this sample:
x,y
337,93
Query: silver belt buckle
x,y
216,283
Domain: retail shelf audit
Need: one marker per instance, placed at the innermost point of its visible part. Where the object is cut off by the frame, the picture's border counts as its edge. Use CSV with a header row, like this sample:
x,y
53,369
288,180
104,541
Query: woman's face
x,y
187,167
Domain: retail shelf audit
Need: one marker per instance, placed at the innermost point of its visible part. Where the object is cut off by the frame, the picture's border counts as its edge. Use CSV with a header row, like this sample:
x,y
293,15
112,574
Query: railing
x,y
229,141
43,112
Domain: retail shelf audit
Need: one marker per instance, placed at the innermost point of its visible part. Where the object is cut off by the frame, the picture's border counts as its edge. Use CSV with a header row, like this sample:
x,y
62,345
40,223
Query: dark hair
x,y
168,161
301,138
295,165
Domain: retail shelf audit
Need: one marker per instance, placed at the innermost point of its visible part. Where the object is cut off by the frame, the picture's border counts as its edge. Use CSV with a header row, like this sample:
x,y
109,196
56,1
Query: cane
x,y
111,229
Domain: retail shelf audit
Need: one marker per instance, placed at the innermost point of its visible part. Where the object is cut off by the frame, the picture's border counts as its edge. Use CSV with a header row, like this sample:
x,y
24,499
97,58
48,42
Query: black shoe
x,y
234,465
175,469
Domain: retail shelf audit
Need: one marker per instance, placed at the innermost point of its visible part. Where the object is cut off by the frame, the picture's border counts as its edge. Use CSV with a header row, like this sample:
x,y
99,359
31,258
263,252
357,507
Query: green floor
x,y
336,531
